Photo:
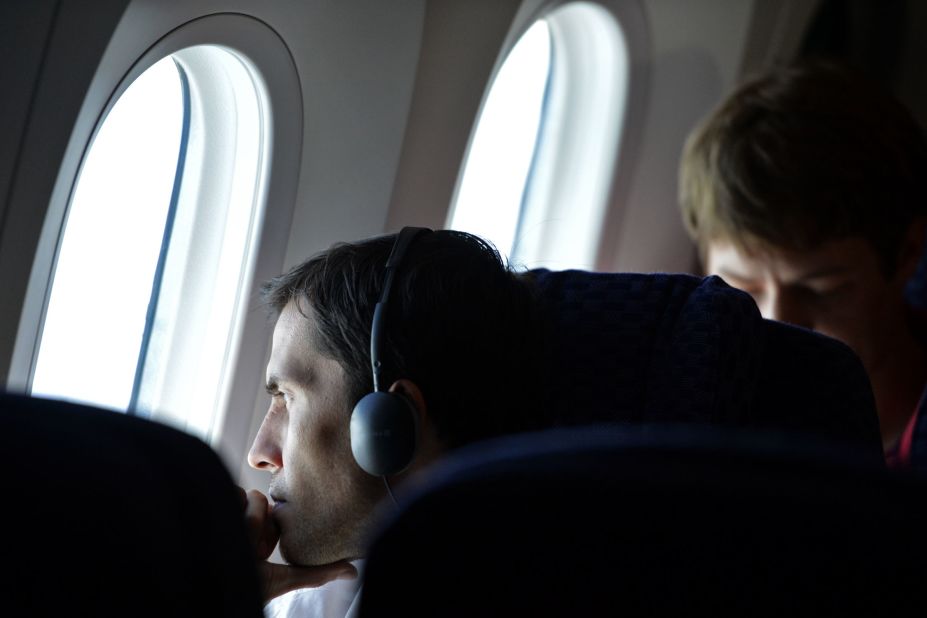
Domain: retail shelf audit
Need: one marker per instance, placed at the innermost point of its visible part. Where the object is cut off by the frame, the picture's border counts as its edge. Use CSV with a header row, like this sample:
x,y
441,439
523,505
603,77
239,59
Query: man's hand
x,y
277,579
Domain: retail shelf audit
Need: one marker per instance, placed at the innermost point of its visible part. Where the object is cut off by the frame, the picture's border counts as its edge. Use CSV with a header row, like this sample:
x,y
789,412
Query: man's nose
x,y
267,452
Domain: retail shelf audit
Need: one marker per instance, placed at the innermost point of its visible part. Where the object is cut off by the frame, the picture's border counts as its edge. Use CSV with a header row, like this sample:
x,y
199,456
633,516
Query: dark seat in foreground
x,y
642,521
675,348
109,515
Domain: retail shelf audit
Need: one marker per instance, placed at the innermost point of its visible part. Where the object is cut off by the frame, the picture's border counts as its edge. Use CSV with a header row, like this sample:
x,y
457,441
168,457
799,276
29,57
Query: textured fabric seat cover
x,y
653,521
678,348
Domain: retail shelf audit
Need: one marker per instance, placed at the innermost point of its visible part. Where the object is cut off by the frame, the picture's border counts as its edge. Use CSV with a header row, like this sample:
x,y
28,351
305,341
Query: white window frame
x,y
267,55
219,212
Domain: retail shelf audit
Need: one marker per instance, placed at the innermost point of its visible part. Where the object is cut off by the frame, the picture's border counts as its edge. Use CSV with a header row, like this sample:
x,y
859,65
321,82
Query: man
x,y
806,189
457,345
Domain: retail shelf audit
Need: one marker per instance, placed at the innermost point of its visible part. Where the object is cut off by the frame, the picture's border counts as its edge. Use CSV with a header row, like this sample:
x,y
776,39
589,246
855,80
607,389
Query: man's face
x,y
837,289
323,500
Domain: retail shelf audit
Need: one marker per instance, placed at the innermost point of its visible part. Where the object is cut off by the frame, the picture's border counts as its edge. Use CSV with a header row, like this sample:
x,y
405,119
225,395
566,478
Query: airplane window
x,y
147,300
490,195
109,252
538,175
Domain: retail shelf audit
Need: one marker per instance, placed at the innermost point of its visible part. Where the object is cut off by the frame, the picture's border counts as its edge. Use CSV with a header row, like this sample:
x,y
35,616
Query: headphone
x,y
384,426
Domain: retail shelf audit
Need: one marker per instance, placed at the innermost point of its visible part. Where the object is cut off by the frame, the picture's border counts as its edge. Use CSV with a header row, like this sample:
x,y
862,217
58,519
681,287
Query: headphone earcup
x,y
384,432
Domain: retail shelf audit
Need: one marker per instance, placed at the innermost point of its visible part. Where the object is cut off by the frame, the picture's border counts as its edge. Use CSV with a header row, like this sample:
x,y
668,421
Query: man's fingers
x,y
256,509
261,527
279,579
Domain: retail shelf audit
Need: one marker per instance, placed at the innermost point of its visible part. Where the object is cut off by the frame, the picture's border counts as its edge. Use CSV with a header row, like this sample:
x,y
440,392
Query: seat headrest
x,y
678,348
114,515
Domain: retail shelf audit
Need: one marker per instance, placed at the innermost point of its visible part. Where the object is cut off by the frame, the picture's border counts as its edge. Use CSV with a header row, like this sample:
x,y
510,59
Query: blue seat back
x,y
653,521
677,348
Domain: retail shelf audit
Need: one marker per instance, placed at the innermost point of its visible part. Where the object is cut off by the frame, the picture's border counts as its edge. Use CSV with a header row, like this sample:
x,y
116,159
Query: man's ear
x,y
912,249
412,393
429,447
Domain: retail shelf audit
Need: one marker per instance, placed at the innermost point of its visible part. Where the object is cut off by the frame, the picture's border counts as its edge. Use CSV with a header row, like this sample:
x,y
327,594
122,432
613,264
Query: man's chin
x,y
295,557
292,549
302,553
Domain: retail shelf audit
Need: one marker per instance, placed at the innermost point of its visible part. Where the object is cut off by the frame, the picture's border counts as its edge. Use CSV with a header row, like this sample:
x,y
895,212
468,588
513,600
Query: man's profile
x,y
455,345
806,189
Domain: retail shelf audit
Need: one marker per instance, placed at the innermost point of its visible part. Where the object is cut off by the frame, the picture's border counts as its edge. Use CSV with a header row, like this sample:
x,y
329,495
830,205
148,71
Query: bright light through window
x,y
110,249
491,191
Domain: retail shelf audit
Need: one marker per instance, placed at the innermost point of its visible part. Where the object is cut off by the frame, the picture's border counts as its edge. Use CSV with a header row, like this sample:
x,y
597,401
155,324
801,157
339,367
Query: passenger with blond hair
x,y
806,188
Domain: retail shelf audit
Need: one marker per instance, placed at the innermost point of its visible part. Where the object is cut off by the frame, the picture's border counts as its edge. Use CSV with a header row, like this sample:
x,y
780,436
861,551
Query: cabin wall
x,y
25,28
696,50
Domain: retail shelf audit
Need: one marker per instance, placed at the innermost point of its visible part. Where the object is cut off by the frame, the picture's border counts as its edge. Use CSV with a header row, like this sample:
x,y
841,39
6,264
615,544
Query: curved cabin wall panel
x,y
24,30
695,58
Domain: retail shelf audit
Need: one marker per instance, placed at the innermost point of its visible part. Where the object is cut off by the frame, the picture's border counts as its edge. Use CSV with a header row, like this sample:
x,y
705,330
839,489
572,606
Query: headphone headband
x,y
403,239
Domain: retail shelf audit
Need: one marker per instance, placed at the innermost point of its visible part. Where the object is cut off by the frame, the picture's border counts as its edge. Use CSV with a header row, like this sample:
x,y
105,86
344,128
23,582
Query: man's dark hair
x,y
459,324
802,155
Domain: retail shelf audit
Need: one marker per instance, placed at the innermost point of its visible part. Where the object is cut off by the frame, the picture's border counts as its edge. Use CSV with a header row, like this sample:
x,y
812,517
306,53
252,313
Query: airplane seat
x,y
653,521
111,515
676,348
916,297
